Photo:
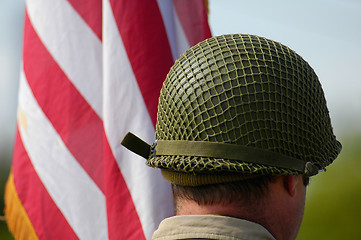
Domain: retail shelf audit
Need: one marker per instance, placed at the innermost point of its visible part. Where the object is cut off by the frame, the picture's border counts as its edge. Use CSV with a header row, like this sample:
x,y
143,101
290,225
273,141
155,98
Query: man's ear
x,y
290,183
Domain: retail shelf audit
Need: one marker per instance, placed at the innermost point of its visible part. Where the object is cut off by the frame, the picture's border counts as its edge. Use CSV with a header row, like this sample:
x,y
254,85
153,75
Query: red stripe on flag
x,y
123,219
75,121
143,33
46,218
194,20
81,130
91,12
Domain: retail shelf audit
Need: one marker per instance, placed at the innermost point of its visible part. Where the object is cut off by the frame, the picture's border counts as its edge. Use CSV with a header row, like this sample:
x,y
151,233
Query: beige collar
x,y
210,227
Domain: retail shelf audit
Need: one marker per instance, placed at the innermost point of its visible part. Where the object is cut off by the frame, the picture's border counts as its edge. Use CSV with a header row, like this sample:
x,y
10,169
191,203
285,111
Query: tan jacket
x,y
209,227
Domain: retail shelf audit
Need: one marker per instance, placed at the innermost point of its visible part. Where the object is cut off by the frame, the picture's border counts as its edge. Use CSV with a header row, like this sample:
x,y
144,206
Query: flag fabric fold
x,y
91,72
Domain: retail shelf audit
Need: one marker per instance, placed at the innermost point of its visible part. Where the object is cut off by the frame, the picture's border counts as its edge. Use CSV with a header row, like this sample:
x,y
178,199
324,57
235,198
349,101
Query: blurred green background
x,y
5,159
333,203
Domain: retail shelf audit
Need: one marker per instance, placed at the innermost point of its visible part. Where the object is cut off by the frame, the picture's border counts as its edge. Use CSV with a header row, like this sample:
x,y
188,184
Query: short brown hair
x,y
241,192
225,193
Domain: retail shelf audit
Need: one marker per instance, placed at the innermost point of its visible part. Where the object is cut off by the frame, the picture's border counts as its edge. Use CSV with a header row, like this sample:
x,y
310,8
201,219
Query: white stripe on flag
x,y
125,110
73,45
176,36
72,190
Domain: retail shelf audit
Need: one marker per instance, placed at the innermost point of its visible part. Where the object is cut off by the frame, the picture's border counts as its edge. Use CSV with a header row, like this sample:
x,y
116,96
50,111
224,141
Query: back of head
x,y
238,106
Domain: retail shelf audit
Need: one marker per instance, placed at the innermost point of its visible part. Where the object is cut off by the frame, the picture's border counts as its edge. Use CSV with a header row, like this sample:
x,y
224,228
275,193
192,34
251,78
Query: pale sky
x,y
11,22
326,33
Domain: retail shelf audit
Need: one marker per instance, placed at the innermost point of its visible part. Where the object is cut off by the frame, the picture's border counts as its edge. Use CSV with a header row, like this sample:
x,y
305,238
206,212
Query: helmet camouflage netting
x,y
242,104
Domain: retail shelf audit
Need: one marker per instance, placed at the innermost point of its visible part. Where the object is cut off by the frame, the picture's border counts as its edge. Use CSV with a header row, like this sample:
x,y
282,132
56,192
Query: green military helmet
x,y
237,106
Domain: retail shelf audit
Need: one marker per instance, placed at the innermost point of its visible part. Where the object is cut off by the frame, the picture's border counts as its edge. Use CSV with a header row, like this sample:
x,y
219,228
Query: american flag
x,y
92,71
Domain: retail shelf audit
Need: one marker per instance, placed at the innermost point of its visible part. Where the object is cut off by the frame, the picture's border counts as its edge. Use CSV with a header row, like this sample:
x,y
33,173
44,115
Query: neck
x,y
256,214
277,213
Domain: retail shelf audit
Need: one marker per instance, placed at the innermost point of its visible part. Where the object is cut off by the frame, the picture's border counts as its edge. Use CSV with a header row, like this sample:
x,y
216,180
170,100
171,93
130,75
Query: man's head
x,y
239,111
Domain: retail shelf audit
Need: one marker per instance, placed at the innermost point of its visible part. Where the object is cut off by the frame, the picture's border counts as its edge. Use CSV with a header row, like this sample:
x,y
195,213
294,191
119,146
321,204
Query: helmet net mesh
x,y
245,90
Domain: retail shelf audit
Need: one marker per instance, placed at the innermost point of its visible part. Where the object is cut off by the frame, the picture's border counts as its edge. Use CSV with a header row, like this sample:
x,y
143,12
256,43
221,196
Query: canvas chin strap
x,y
217,150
